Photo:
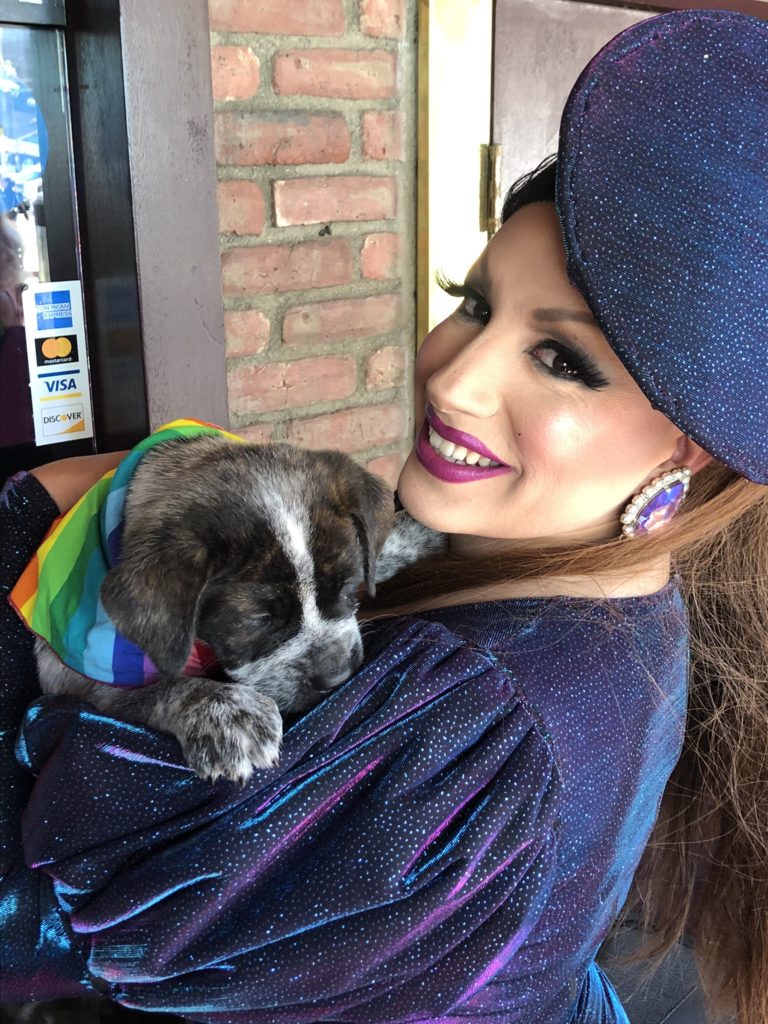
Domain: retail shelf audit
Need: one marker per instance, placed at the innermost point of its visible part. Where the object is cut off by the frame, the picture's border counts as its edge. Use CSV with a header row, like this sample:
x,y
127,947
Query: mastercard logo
x,y
56,348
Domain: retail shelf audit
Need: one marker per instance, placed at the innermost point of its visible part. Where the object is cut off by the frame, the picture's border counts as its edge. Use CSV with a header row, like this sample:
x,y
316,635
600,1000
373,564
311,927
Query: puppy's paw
x,y
228,731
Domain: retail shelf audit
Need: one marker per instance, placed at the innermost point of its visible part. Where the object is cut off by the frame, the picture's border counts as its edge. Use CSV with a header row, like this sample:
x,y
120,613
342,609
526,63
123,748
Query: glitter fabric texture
x,y
448,836
39,956
662,193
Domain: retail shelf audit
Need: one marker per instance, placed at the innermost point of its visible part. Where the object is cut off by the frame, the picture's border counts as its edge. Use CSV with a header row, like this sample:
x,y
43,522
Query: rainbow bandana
x,y
57,595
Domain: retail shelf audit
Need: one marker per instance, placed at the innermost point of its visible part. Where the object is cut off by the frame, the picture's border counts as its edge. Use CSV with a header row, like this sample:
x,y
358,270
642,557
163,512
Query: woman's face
x,y
522,375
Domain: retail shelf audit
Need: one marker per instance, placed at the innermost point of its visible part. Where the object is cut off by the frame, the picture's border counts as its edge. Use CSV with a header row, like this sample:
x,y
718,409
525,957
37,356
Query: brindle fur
x,y
259,550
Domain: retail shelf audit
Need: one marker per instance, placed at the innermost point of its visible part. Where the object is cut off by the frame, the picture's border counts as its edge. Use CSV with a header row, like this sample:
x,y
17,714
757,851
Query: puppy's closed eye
x,y
279,610
349,593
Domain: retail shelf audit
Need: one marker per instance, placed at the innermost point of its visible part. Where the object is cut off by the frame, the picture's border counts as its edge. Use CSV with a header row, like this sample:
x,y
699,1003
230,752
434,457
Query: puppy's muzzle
x,y
333,665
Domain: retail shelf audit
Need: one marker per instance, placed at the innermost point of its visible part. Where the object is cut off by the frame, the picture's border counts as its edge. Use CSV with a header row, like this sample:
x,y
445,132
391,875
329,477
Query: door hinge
x,y
490,188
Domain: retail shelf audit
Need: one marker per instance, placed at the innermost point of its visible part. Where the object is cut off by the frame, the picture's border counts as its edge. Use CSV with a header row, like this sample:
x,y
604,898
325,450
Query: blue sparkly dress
x,y
447,837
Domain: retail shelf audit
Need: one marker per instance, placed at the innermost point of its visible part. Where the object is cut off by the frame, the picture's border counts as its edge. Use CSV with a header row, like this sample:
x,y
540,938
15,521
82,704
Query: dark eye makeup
x,y
474,307
566,362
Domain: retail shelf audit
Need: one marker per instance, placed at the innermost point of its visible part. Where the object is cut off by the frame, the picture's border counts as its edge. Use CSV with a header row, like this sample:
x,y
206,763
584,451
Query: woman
x,y
452,832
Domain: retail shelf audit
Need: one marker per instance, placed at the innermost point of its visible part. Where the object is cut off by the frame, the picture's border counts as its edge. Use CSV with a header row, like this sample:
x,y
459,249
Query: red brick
x,y
292,137
273,387
341,320
283,268
241,208
387,466
247,332
286,17
380,256
235,72
344,74
382,18
256,433
383,135
386,368
352,430
315,200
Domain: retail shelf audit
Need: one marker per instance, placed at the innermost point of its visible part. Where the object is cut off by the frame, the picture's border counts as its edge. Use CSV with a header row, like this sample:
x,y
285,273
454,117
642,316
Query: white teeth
x,y
457,453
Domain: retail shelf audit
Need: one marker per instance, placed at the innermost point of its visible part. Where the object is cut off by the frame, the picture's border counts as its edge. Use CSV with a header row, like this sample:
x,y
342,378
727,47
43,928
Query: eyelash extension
x,y
586,371
460,291
448,285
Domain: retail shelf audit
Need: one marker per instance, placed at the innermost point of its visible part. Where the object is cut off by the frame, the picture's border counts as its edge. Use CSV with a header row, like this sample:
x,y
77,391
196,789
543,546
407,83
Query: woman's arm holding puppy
x,y
68,479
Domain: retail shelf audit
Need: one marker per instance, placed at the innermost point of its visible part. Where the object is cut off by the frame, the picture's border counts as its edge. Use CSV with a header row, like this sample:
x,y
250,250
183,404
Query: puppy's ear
x,y
372,507
155,607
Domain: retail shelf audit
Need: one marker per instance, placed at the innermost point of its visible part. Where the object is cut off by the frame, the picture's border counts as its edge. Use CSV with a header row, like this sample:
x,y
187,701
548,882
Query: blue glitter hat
x,y
662,193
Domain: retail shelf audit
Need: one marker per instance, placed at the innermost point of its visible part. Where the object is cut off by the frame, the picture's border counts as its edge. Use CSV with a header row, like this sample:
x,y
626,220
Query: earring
x,y
656,504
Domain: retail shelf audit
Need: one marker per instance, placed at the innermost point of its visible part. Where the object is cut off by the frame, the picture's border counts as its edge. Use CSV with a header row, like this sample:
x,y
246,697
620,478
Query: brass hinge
x,y
490,188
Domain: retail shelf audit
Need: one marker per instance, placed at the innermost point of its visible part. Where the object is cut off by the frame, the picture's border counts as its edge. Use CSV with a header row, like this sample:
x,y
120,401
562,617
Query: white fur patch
x,y
293,530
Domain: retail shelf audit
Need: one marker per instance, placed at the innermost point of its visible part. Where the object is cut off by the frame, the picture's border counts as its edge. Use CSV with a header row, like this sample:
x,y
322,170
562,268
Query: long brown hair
x,y
704,873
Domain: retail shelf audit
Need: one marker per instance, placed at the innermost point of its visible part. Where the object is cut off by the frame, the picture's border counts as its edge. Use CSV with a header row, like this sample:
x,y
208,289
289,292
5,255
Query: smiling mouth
x,y
458,454
455,457
456,445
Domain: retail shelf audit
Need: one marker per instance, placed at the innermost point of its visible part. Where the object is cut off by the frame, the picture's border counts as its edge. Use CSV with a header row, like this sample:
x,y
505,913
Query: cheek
x,y
622,441
554,438
567,433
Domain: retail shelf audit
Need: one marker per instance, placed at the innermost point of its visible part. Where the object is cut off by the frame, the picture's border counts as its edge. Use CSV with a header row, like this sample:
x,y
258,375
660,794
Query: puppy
x,y
258,551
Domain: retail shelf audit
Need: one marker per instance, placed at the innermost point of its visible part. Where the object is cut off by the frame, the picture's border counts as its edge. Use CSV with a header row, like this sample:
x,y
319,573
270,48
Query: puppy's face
x,y
283,618
257,550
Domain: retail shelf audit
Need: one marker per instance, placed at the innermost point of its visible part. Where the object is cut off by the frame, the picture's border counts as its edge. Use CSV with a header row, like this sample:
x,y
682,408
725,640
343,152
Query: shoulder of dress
x,y
428,664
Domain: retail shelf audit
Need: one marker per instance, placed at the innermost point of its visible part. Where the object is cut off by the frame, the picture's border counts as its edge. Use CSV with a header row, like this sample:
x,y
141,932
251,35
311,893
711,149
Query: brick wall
x,y
315,144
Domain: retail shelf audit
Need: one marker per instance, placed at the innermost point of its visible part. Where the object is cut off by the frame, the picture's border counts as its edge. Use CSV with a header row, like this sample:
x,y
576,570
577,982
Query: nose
x,y
333,665
469,379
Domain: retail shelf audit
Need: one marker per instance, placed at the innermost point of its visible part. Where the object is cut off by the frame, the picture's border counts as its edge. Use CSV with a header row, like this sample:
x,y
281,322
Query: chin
x,y
420,500
428,505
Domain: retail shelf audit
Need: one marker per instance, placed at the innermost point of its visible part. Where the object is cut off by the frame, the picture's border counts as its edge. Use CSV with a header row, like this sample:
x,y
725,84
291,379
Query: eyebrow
x,y
478,274
582,316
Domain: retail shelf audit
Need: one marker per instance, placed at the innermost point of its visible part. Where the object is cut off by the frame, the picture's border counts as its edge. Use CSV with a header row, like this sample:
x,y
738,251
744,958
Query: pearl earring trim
x,y
637,520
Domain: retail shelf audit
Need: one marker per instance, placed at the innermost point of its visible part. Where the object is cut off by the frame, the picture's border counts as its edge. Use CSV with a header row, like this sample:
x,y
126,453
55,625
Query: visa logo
x,y
63,384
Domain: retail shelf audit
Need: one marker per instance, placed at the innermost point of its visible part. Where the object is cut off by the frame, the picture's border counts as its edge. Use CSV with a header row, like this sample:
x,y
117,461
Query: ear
x,y
372,507
155,607
687,453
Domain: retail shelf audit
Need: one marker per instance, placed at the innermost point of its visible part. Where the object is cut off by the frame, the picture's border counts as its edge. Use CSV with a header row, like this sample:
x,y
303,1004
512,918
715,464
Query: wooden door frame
x,y
148,196
166,54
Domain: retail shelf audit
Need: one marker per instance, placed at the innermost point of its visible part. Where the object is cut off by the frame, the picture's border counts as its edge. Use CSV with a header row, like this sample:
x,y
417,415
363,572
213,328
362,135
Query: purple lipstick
x,y
454,472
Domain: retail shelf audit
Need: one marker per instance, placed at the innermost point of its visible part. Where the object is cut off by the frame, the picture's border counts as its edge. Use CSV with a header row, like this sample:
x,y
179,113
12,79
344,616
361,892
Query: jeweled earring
x,y
656,504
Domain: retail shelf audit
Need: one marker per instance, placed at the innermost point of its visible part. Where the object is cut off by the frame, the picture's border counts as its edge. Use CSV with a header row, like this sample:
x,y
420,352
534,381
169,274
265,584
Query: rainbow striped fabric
x,y
57,595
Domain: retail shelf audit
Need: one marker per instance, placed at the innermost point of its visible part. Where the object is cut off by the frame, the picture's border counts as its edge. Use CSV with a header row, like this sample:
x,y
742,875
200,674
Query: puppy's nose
x,y
332,674
324,683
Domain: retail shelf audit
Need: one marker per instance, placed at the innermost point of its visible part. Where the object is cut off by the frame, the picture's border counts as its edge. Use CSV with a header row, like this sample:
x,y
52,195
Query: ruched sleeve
x,y
388,868
39,956
26,512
